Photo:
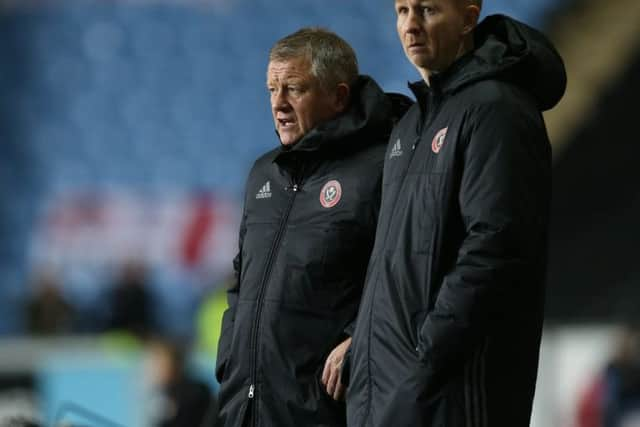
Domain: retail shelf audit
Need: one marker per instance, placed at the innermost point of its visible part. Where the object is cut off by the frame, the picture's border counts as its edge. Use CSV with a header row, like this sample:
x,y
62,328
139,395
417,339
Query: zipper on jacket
x,y
263,284
415,143
432,108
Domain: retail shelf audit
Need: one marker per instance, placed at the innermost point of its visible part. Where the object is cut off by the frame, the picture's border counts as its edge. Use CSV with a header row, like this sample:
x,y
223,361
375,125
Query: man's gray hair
x,y
332,59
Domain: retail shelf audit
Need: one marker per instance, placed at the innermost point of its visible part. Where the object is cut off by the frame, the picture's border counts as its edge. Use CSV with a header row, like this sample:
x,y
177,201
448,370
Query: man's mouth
x,y
285,122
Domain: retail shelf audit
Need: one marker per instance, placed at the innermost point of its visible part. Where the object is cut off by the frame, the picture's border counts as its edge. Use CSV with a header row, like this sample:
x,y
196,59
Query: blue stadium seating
x,y
98,94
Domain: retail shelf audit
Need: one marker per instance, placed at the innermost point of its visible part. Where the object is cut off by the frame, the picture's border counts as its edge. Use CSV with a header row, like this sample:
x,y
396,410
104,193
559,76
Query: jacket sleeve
x,y
228,317
503,199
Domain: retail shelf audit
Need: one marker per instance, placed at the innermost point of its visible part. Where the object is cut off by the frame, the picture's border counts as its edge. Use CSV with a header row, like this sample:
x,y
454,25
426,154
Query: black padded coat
x,y
449,327
308,228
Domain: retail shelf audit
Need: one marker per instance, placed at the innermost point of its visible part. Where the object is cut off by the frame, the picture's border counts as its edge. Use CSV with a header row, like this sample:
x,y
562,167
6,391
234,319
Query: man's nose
x,y
412,22
278,100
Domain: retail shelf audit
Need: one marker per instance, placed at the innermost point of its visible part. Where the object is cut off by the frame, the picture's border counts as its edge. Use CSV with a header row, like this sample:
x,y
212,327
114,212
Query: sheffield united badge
x,y
330,194
438,140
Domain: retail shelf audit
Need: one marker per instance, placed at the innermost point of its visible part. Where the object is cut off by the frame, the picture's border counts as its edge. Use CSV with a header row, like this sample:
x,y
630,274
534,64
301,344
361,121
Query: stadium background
x,y
127,129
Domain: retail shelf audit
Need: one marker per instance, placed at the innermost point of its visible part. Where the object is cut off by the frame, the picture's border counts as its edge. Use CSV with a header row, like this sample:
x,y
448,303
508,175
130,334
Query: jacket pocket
x,y
417,321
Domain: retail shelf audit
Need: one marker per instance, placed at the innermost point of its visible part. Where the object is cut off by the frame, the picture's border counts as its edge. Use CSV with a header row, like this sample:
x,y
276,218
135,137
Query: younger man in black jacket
x,y
449,329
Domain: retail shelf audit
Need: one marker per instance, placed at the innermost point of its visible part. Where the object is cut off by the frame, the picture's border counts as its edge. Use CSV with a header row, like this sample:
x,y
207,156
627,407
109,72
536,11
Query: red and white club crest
x,y
438,140
330,194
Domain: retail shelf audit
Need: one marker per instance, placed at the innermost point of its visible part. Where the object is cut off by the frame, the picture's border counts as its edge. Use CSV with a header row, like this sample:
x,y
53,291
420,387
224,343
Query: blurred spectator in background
x,y
590,404
19,422
185,401
48,312
209,316
130,301
612,398
622,383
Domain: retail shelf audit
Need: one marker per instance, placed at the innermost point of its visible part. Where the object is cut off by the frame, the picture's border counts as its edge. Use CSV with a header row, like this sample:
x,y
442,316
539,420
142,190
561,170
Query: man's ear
x,y
343,92
471,16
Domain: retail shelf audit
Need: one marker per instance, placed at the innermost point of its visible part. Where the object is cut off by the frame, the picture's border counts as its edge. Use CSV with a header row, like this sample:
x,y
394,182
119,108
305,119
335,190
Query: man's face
x,y
431,31
298,101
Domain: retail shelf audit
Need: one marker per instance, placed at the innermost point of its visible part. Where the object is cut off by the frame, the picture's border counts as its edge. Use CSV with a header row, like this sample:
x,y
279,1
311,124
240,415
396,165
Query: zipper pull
x,y
251,389
295,188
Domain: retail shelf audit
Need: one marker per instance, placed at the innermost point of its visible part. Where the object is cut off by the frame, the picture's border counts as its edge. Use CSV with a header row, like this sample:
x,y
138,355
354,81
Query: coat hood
x,y
509,50
371,112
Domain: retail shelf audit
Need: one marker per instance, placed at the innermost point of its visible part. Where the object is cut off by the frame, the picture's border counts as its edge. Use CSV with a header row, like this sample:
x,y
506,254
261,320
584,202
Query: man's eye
x,y
428,10
402,10
293,89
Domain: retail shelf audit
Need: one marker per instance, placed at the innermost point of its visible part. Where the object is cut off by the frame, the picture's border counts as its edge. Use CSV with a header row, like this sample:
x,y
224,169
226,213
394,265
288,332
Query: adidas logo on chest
x,y
265,191
396,151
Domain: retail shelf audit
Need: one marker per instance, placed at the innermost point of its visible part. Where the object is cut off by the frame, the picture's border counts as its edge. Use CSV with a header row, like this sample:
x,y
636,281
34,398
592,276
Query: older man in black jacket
x,y
308,226
449,329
